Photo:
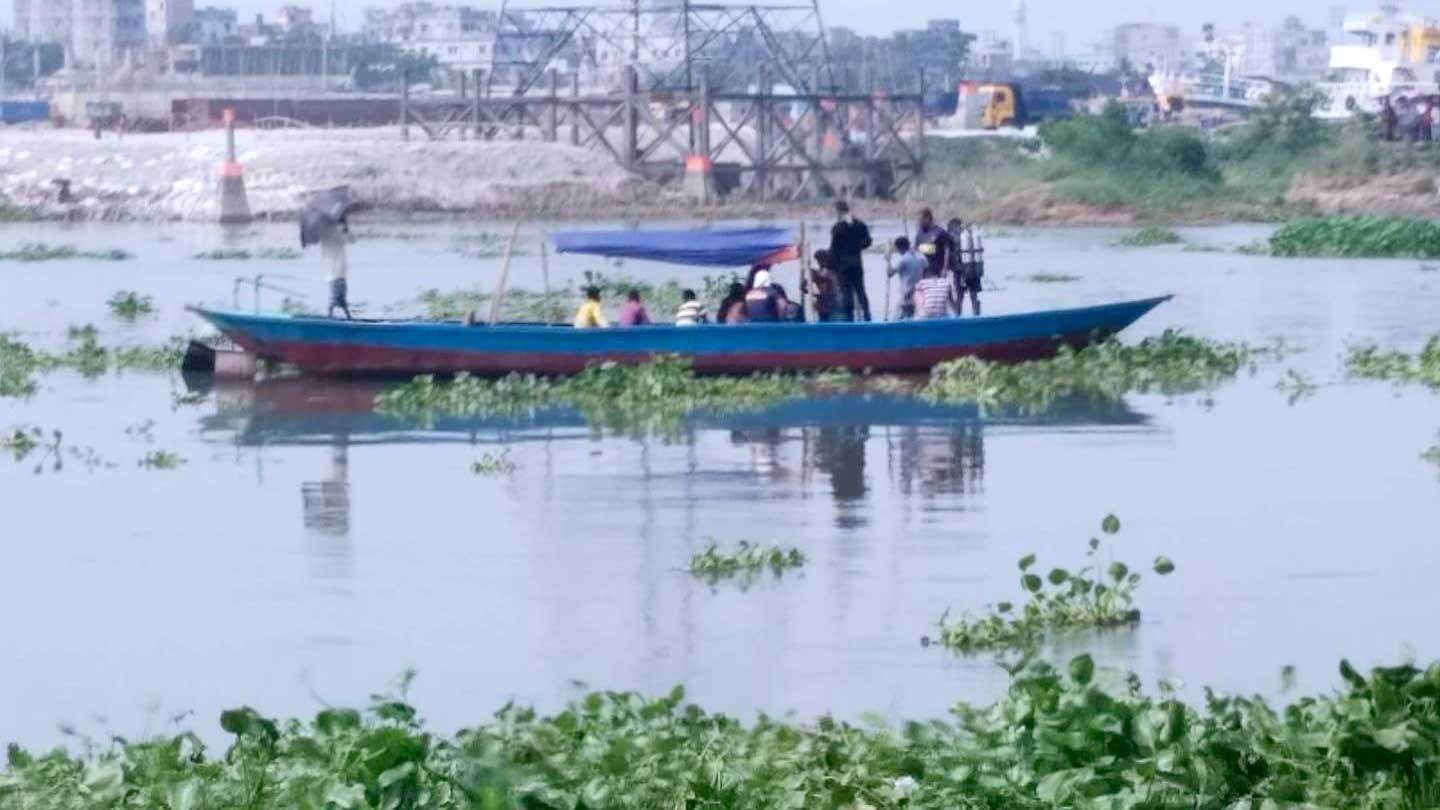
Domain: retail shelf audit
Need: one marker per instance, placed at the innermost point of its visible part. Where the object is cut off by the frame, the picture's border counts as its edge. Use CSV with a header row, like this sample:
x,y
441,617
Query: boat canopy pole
x,y
498,301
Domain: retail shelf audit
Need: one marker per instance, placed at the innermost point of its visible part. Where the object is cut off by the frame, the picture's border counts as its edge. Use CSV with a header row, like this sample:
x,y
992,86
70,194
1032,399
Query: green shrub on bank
x,y
1358,238
1152,236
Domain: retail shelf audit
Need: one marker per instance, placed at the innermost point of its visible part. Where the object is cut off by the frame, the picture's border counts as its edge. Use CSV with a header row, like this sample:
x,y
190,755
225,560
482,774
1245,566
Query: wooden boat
x,y
361,347
326,346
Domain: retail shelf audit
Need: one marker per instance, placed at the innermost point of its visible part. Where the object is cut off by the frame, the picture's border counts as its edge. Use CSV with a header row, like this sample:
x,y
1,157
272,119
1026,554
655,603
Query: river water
x,y
311,551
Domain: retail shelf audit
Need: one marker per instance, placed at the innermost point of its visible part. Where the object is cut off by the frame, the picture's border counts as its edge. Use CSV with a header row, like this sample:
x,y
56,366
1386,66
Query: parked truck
x,y
996,105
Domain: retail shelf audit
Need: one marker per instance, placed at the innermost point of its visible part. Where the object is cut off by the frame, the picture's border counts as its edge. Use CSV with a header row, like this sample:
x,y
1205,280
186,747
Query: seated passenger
x,y
732,309
590,315
762,303
691,311
633,313
934,296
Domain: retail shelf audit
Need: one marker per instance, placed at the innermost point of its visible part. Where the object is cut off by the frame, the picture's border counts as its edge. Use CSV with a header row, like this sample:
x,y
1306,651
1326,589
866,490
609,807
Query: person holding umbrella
x,y
325,221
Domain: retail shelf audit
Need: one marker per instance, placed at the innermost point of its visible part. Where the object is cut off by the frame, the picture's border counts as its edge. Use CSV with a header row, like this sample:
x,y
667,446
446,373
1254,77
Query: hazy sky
x,y
1081,22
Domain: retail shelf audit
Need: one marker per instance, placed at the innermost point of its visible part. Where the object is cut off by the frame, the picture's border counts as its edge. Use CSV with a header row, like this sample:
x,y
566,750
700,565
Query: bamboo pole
x,y
545,277
498,301
804,275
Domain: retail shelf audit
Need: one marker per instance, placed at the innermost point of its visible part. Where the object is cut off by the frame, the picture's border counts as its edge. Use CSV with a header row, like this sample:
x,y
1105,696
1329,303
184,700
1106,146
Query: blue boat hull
x,y
326,346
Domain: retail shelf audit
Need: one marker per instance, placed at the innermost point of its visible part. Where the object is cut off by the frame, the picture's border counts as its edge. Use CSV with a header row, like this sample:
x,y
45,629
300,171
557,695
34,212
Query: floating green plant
x,y
1051,278
1373,363
1077,737
1169,363
243,255
25,444
493,464
1151,236
651,397
1061,600
1297,385
21,442
128,305
1358,238
161,460
41,252
744,562
1433,454
18,365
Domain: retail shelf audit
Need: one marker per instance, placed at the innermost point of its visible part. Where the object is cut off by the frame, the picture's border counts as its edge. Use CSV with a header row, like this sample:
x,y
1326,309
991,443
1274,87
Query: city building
x,y
295,18
1146,46
106,33
167,22
215,26
44,21
459,37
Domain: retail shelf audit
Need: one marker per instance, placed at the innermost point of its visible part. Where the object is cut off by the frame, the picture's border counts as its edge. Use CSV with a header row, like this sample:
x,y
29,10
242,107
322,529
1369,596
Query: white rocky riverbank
x,y
174,176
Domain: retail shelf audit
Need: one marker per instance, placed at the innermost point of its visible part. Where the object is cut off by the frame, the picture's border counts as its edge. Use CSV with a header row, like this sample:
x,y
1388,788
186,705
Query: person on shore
x,y
1388,119
968,268
849,239
908,271
334,242
934,296
826,286
691,311
933,242
762,302
633,313
732,308
590,315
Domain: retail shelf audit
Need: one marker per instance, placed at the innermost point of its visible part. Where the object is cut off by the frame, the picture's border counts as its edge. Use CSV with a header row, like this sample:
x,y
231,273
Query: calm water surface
x,y
310,551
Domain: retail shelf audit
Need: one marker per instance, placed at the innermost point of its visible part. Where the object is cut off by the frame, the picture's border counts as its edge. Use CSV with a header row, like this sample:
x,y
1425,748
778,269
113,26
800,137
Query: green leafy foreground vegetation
x,y
1071,737
1062,600
41,252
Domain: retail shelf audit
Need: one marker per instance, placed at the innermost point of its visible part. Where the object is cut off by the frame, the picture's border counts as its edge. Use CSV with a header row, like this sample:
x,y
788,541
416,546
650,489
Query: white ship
x,y
1385,53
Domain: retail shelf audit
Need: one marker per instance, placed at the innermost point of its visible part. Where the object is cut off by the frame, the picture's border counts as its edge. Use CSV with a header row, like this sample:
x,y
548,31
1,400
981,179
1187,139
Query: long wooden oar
x,y
498,301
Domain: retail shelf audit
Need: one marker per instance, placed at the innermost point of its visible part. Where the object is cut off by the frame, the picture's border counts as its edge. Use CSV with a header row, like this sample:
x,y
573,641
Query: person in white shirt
x,y
909,271
691,311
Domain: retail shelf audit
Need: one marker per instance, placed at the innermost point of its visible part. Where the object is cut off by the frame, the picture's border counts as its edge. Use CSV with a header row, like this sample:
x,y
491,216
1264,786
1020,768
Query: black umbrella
x,y
325,210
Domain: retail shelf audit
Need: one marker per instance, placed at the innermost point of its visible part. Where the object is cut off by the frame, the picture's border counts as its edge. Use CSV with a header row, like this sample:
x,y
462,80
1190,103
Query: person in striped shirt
x,y
934,296
691,311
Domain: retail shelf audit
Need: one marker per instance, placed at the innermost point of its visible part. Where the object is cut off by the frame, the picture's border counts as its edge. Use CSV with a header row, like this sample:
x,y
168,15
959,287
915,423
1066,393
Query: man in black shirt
x,y
848,241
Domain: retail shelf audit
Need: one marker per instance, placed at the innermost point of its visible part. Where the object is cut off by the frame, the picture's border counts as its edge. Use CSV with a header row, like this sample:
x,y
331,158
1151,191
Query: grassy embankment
x,y
1095,169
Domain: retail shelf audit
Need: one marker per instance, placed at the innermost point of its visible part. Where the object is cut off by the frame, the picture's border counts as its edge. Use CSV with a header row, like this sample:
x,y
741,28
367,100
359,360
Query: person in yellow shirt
x,y
590,315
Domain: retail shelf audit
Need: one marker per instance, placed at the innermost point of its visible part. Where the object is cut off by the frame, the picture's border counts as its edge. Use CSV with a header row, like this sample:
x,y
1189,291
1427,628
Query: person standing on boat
x,y
334,242
590,315
732,307
934,242
849,239
908,272
968,267
763,302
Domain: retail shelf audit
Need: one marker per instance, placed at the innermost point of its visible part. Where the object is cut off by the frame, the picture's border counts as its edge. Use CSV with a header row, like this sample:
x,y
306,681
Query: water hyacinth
x,y
645,398
1170,363
1061,600
1358,238
745,562
41,252
492,464
19,363
1151,236
1077,737
243,255
1374,363
128,305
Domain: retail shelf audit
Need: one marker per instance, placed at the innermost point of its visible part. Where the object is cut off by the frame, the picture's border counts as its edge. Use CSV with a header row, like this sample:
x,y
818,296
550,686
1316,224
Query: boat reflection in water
x,y
922,450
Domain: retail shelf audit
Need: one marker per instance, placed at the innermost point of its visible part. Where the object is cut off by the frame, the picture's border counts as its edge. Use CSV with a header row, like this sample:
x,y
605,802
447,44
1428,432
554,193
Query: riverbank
x,y
1089,171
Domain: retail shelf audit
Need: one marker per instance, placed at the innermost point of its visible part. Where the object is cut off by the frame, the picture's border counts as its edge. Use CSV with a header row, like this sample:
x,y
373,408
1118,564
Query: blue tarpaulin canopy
x,y
709,247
